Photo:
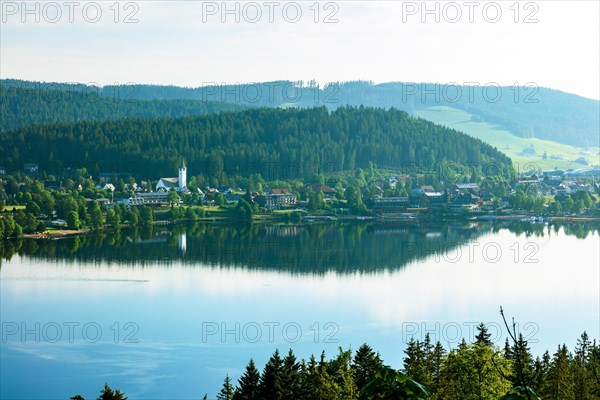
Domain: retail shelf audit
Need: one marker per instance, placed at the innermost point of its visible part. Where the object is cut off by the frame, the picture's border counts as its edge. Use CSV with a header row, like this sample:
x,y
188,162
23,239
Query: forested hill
x,y
525,111
23,105
276,143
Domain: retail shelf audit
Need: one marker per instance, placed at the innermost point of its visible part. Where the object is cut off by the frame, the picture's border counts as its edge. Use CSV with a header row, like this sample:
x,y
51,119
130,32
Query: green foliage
x,y
547,113
227,391
108,394
521,393
73,220
365,365
27,103
472,372
172,197
270,386
248,384
258,141
391,384
146,215
244,210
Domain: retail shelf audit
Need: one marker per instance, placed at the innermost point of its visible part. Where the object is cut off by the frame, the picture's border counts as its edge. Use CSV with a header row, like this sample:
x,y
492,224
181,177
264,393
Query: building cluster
x,y
461,197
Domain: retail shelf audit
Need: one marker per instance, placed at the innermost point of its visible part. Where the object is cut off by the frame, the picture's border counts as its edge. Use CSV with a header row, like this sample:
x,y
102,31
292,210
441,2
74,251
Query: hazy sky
x,y
190,43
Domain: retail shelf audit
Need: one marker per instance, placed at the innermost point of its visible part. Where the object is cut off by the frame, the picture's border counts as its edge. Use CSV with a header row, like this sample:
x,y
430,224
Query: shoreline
x,y
324,218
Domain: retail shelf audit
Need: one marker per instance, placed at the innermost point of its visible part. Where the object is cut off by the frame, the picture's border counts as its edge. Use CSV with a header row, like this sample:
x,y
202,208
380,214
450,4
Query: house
x,y
103,202
328,193
579,185
31,168
467,187
435,199
230,197
465,198
151,198
276,199
278,191
179,183
374,191
392,181
109,186
389,204
422,196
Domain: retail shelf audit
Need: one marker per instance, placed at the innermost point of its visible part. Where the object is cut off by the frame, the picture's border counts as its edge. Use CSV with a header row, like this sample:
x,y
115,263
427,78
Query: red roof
x,y
280,191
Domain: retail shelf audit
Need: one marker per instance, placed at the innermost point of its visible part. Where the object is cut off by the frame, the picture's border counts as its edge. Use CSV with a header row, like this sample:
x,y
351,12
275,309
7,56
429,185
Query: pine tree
x,y
581,374
483,336
341,370
108,394
326,387
561,383
249,382
270,387
227,391
290,377
541,374
522,371
414,362
365,364
594,367
308,380
437,359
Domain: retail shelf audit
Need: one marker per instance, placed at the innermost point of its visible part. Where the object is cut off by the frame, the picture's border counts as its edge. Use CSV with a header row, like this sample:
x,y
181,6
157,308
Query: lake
x,y
167,312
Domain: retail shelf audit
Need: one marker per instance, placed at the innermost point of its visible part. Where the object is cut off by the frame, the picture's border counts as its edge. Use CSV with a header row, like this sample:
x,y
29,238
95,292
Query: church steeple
x,y
182,176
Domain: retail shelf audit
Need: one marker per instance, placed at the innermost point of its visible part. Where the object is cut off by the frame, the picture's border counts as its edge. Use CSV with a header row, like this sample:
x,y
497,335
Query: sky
x,y
194,43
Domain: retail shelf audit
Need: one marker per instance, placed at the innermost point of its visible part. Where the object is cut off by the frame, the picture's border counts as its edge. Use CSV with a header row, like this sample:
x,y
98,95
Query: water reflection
x,y
311,248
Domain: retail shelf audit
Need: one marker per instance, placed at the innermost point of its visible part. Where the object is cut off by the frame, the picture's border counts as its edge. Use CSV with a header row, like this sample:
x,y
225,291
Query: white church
x,y
179,183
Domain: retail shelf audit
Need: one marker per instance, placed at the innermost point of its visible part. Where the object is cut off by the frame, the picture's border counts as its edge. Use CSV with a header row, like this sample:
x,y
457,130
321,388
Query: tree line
x,y
29,104
270,143
526,110
473,371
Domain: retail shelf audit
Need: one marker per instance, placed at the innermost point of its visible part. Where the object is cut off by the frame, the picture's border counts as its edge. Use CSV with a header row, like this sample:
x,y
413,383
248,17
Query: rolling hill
x,y
275,143
550,128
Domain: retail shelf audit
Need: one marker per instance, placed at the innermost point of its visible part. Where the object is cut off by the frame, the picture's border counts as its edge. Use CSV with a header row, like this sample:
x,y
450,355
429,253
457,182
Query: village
x,y
570,193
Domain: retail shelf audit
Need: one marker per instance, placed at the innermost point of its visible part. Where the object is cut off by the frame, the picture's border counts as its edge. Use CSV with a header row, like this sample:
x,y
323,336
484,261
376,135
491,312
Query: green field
x,y
13,208
510,144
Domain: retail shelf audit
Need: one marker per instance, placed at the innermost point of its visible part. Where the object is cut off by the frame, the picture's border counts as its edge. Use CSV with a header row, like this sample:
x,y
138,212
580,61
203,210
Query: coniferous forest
x,y
24,106
527,110
274,143
480,370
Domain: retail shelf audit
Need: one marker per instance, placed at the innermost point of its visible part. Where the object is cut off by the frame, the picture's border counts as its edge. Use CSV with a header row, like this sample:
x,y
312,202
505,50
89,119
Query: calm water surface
x,y
167,313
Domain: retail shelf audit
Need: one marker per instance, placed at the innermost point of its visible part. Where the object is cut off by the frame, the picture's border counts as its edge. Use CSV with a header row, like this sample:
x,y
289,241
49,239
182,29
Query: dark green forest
x,y
274,143
29,105
526,110
472,371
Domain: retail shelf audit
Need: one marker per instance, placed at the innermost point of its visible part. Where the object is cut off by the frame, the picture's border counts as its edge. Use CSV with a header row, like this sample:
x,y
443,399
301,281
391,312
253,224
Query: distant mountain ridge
x,y
25,103
526,111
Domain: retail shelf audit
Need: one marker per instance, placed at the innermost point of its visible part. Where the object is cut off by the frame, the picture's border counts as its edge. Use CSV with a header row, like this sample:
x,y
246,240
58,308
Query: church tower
x,y
182,176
